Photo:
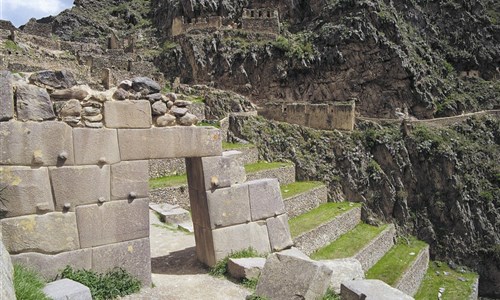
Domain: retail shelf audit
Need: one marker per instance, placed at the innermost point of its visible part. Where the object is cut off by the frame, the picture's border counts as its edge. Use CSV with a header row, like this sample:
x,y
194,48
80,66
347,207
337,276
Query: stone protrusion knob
x,y
103,160
63,155
132,195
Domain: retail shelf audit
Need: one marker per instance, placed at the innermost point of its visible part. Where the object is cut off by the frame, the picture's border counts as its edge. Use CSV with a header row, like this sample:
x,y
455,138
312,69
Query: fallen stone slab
x,y
246,268
343,270
370,290
173,214
67,289
287,277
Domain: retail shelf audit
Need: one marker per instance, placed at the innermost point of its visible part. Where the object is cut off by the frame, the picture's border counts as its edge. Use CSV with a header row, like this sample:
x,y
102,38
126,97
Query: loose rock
x,y
121,94
166,120
144,83
53,79
188,120
159,108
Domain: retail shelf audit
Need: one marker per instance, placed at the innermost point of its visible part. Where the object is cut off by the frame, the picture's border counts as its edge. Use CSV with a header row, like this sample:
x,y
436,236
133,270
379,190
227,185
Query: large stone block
x,y
223,171
127,114
197,141
6,96
371,289
248,268
343,270
279,233
50,233
25,191
65,289
96,146
133,256
33,103
229,206
32,143
49,266
291,277
135,144
112,222
6,275
265,199
75,186
129,179
240,237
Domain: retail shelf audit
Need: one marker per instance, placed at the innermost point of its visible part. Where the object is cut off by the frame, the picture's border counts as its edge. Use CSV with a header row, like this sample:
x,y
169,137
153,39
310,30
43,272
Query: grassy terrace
x,y
390,268
298,187
168,181
235,146
320,215
350,243
264,165
453,284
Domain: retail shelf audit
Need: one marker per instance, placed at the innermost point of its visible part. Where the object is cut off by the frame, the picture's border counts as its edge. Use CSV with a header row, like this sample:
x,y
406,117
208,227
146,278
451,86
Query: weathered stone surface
x,y
120,94
159,108
53,79
70,108
6,96
178,111
229,206
127,114
182,103
80,185
265,199
155,97
25,191
248,268
67,94
49,233
188,120
290,277
222,171
125,84
112,222
49,266
43,145
94,147
371,289
91,111
279,233
144,83
172,214
33,103
65,289
96,118
240,237
171,97
166,120
345,269
169,143
133,256
96,125
129,177
7,291
371,253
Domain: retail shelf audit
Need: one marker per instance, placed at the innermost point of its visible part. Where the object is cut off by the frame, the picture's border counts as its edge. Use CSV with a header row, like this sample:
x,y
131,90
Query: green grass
x,y
298,187
323,213
28,284
220,268
235,146
168,181
330,295
116,282
454,288
10,45
350,243
264,165
390,268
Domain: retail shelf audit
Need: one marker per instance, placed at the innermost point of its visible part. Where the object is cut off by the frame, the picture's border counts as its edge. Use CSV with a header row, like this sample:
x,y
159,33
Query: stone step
x,y
322,225
301,197
366,243
284,172
403,266
448,283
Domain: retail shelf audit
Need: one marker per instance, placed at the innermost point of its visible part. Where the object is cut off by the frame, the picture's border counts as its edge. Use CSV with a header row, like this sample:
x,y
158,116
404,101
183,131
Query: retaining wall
x,y
285,174
306,201
377,248
412,278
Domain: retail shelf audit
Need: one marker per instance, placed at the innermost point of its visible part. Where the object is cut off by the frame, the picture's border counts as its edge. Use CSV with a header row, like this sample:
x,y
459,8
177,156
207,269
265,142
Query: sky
x,y
20,11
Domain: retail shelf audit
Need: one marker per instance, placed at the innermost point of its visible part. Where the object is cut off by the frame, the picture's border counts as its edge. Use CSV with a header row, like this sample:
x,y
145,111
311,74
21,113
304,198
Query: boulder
x,y
171,97
121,94
287,275
53,79
144,83
33,103
67,94
126,85
166,120
178,111
246,268
343,270
159,108
6,96
71,108
182,103
188,120
154,97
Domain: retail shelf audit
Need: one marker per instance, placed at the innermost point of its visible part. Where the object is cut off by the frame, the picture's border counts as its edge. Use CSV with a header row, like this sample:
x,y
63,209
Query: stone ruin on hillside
x,y
78,195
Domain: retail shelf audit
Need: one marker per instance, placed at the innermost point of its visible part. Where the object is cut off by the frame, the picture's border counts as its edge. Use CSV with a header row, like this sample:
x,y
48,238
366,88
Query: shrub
x,y
28,284
114,283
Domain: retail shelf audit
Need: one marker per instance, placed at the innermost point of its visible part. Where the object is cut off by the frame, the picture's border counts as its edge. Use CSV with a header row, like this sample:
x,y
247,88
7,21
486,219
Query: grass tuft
x,y
114,283
320,215
347,245
390,268
330,295
264,165
168,181
298,187
28,284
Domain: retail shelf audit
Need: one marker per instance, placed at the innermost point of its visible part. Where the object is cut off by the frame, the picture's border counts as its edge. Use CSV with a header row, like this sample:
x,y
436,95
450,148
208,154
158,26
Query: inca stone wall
x,y
181,26
340,115
261,20
6,274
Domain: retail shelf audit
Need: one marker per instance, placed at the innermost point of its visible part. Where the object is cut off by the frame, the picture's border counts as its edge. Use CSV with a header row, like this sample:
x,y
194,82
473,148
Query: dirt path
x,y
177,275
